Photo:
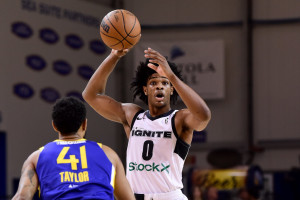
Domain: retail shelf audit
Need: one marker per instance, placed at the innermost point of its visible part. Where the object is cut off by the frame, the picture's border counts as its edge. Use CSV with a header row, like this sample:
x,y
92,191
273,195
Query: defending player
x,y
73,167
159,138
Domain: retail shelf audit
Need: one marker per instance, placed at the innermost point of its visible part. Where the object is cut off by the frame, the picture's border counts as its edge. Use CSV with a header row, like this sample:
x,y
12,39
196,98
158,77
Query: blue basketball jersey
x,y
75,170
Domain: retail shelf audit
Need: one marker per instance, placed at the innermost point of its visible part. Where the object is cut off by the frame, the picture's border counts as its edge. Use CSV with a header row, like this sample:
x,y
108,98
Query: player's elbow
x,y
203,115
203,120
88,96
207,115
85,95
206,118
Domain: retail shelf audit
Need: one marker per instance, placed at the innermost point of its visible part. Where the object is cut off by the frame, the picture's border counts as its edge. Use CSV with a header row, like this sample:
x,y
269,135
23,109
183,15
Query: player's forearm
x,y
97,83
23,196
191,99
27,188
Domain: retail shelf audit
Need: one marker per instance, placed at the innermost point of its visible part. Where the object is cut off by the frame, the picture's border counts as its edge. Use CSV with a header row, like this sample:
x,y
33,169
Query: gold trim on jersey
x,y
113,176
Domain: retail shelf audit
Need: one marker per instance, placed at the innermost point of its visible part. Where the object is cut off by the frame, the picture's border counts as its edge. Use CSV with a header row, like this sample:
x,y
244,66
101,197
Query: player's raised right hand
x,y
119,53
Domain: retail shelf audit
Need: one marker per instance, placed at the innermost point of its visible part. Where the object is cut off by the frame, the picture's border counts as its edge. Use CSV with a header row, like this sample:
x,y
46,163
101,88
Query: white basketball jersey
x,y
155,154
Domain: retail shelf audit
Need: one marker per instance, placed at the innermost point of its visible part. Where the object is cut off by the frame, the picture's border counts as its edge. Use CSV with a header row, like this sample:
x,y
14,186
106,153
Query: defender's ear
x,y
84,124
54,127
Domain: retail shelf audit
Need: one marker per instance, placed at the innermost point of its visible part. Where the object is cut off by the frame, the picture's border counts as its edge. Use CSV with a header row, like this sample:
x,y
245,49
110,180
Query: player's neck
x,y
76,136
155,111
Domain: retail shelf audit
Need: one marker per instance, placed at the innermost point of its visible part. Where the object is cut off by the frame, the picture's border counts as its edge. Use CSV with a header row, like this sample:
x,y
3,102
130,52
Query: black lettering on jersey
x,y
159,133
146,133
138,133
154,134
167,134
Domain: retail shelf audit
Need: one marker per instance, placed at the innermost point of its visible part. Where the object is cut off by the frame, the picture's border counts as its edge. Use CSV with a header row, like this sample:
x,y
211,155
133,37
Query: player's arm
x,y
94,92
197,114
122,189
28,184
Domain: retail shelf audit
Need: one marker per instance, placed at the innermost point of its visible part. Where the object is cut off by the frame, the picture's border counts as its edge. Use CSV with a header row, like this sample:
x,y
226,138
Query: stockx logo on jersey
x,y
149,167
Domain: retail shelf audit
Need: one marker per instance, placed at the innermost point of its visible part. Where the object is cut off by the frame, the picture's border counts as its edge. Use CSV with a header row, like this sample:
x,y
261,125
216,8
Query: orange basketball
x,y
120,29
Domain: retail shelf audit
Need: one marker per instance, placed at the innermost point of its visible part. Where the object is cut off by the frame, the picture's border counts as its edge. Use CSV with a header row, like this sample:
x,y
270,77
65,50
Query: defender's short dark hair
x,y
68,114
142,74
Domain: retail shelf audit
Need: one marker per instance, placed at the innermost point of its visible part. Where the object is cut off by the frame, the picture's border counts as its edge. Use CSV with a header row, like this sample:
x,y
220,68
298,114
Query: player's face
x,y
158,90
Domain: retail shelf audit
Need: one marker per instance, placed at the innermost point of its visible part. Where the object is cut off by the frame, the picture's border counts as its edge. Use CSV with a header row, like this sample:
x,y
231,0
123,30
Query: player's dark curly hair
x,y
141,77
68,114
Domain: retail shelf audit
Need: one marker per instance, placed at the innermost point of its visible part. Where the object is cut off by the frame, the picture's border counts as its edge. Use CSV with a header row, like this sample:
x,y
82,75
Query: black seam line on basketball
x,y
117,44
124,24
115,27
120,41
110,36
128,34
134,35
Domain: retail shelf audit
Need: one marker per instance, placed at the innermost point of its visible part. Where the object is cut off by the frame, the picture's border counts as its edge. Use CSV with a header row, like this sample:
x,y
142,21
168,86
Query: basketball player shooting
x,y
160,137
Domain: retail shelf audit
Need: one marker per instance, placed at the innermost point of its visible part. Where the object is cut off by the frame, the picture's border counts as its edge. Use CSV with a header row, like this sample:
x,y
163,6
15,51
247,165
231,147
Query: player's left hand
x,y
162,66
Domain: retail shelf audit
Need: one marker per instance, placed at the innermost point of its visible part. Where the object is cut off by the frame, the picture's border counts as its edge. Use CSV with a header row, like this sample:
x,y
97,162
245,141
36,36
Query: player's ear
x,y
84,124
145,90
54,127
172,90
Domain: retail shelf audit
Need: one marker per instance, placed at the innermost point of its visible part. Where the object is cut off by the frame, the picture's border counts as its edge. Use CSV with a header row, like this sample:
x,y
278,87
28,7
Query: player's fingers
x,y
154,62
153,58
152,66
123,51
120,53
153,54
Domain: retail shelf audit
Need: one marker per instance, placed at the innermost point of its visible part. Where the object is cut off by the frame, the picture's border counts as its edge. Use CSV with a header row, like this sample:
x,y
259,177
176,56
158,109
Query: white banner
x,y
201,63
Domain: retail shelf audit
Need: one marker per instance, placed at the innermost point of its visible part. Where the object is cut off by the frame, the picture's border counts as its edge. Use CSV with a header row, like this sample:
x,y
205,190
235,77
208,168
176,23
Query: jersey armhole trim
x,y
134,118
173,126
